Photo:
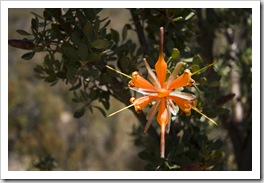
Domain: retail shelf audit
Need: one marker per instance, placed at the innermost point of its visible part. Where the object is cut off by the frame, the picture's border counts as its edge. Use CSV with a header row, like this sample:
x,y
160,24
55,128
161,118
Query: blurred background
x,y
41,122
43,134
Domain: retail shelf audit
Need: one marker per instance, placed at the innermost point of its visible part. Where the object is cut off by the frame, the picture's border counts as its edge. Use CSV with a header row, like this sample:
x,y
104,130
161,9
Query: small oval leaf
x,y
22,32
28,56
175,54
79,113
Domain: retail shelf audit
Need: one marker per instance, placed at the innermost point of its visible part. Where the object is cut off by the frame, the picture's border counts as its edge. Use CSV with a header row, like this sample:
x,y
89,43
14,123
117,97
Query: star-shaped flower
x,y
163,92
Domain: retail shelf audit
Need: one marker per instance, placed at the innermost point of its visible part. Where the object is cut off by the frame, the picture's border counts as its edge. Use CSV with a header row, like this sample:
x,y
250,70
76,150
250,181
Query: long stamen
x,y
194,108
120,110
203,68
118,72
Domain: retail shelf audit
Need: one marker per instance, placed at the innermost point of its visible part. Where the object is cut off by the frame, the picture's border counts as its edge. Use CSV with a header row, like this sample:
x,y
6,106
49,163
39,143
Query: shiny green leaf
x,y
177,19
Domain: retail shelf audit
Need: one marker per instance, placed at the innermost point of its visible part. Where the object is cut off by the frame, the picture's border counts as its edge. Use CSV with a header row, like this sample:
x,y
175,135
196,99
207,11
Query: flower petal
x,y
173,109
144,91
152,76
161,66
183,95
184,104
168,124
183,80
142,102
140,82
153,110
175,73
163,116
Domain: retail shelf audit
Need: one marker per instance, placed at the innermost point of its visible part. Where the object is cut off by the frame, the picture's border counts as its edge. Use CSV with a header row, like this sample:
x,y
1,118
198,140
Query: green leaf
x,y
124,31
115,35
100,44
47,15
28,56
76,37
71,74
80,17
106,24
90,14
189,16
93,56
94,73
89,31
175,54
34,24
123,63
195,68
82,50
70,52
85,73
187,59
39,69
22,32
77,86
197,60
48,63
177,19
79,113
61,74
203,81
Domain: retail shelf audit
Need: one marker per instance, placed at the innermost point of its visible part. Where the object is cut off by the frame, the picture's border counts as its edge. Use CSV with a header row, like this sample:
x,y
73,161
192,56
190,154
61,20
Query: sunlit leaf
x,y
189,16
175,53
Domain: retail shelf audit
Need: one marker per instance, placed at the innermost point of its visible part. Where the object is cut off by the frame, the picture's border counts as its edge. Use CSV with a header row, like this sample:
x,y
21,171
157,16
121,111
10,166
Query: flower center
x,y
163,93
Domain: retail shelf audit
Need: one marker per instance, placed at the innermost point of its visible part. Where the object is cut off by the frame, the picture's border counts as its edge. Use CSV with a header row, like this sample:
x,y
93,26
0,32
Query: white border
x,y
254,174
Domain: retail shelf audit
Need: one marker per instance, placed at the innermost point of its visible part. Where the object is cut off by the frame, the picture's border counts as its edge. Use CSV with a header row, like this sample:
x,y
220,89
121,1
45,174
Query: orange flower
x,y
163,93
